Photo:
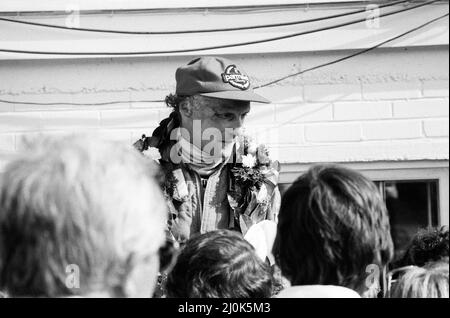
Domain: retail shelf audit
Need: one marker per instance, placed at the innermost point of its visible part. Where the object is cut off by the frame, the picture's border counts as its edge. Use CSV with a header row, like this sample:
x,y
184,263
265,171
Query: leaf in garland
x,y
142,144
139,145
262,194
232,201
243,224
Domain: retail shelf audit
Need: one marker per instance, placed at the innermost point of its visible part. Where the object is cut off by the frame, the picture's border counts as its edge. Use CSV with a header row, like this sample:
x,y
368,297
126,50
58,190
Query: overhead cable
x,y
212,47
282,24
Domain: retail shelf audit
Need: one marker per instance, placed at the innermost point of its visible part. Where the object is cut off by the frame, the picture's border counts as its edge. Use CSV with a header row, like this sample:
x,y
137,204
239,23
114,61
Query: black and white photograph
x,y
240,152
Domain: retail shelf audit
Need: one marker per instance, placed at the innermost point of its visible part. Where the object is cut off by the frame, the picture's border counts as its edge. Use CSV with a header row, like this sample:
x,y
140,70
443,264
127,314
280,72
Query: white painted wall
x,y
388,105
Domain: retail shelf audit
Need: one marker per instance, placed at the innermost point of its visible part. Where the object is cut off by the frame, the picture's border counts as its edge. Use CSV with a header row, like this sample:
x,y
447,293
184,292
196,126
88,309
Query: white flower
x,y
248,161
152,153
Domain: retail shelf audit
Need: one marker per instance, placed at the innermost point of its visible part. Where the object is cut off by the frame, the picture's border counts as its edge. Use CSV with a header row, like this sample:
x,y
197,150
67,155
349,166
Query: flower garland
x,y
255,162
253,176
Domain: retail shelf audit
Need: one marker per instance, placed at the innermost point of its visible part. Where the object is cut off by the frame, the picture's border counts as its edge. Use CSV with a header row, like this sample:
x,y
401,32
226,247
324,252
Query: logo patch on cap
x,y
235,78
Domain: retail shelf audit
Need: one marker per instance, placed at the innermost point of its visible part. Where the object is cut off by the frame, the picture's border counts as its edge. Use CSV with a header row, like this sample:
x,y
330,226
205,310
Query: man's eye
x,y
225,116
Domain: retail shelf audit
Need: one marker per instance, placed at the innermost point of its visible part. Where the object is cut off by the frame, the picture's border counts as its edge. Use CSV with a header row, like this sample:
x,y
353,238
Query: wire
x,y
217,46
355,54
81,104
260,86
337,61
200,31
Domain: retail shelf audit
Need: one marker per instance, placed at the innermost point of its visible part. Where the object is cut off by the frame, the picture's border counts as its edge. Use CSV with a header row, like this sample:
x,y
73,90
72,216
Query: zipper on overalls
x,y
201,194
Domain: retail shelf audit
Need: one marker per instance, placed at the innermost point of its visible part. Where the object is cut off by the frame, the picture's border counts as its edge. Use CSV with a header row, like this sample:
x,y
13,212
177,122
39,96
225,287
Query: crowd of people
x,y
81,216
85,217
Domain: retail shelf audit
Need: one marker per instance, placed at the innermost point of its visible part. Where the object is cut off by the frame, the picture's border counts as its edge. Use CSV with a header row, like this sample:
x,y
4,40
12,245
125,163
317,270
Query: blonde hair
x,y
430,281
76,200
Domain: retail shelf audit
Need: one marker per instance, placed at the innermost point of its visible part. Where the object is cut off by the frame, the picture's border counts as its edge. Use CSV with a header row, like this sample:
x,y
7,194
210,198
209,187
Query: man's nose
x,y
238,123
237,132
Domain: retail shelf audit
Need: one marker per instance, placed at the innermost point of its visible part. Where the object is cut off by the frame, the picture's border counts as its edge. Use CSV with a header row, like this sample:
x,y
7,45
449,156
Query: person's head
x,y
80,216
429,281
200,114
219,264
333,223
427,245
212,92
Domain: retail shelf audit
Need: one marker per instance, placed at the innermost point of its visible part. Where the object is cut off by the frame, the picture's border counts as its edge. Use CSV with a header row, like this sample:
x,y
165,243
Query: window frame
x,y
393,171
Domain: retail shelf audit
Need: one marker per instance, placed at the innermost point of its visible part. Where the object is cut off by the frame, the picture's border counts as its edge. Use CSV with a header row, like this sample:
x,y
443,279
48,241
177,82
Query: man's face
x,y
224,115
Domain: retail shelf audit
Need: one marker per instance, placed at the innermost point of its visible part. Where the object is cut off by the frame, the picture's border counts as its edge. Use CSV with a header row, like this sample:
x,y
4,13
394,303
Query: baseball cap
x,y
215,77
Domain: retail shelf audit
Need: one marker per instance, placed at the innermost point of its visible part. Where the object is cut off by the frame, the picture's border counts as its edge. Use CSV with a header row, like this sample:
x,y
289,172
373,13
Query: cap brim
x,y
238,95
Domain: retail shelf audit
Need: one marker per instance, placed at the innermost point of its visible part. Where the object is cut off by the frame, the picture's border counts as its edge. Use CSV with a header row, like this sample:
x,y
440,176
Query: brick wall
x,y
391,104
365,122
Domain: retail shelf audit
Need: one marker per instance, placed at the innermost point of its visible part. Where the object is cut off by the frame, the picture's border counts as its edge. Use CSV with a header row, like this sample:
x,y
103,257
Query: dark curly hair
x,y
333,223
427,245
173,101
219,264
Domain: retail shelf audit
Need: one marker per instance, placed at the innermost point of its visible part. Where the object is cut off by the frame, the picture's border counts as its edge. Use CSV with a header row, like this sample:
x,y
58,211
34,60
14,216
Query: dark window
x,y
412,205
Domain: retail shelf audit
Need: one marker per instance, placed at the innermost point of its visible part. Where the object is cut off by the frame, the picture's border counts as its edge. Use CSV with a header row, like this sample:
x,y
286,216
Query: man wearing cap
x,y
214,177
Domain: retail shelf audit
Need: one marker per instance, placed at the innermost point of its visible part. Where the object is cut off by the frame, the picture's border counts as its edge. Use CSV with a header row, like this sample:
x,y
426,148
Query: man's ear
x,y
186,107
